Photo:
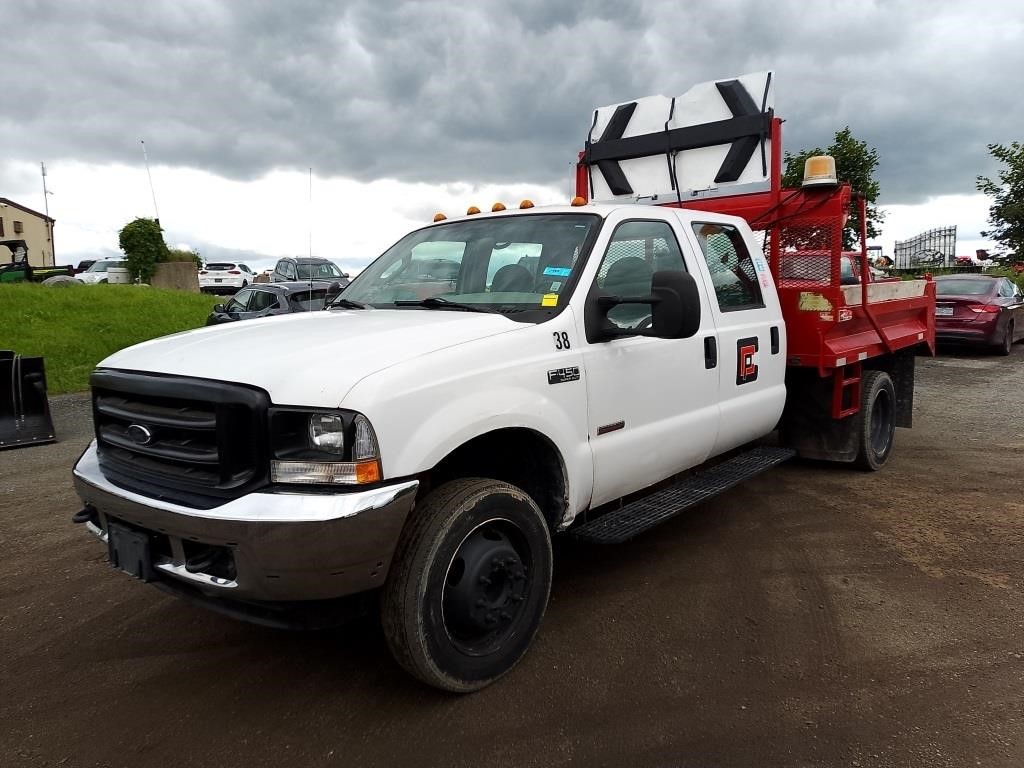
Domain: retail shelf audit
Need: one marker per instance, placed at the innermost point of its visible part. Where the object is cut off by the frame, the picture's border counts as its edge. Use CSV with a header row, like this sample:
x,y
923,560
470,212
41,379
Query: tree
x,y
855,163
144,247
1006,214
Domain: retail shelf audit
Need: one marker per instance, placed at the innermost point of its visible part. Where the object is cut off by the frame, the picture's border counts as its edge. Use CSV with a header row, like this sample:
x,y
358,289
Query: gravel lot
x,y
816,616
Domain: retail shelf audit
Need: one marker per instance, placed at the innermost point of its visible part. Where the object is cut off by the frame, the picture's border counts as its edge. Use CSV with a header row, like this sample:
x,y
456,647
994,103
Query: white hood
x,y
312,358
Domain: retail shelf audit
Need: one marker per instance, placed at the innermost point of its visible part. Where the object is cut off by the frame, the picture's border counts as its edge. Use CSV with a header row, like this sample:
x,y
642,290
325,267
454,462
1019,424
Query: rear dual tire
x,y
876,425
468,585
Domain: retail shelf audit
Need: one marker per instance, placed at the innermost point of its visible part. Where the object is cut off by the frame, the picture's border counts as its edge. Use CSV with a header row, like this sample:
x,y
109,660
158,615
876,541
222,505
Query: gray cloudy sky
x,y
480,93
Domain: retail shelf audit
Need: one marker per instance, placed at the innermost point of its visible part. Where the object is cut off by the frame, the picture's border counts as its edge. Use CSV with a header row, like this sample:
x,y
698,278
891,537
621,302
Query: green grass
x,y
75,327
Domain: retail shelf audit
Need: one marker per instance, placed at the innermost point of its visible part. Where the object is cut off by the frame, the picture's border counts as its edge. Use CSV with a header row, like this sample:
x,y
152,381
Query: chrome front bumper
x,y
286,546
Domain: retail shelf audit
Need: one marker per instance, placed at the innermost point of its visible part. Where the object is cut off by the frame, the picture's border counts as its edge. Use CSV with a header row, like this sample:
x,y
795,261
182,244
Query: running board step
x,y
643,514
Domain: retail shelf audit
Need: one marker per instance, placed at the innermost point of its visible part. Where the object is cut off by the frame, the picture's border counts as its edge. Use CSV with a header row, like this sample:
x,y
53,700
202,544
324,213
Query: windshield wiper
x,y
347,304
438,302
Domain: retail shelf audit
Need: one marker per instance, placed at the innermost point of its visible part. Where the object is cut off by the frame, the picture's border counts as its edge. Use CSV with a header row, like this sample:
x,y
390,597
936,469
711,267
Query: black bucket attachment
x,y
24,409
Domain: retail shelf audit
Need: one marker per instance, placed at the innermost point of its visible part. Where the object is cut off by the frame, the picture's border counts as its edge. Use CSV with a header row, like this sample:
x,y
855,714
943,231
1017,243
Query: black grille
x,y
190,441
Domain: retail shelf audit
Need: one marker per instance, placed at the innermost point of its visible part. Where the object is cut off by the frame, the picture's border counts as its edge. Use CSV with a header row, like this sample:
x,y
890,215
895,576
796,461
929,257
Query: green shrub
x,y
143,244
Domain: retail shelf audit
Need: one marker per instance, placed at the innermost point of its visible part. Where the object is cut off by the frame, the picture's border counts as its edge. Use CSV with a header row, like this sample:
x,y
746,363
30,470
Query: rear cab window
x,y
733,273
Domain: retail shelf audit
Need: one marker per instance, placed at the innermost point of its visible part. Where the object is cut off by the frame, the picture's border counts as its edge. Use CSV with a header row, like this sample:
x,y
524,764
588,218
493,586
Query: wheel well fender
x,y
517,455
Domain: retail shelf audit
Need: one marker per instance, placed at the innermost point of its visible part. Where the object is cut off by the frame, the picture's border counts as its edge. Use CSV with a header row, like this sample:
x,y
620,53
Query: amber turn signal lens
x,y
368,472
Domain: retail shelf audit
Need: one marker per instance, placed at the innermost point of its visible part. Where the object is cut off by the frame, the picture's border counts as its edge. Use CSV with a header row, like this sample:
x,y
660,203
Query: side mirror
x,y
333,289
676,305
675,310
219,308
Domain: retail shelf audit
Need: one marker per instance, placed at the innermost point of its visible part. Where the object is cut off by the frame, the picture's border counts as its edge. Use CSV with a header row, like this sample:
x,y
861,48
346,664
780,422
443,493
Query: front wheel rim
x,y
486,587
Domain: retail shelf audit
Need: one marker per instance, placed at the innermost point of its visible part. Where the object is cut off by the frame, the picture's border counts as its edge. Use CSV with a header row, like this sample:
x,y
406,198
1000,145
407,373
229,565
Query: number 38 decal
x,y
561,340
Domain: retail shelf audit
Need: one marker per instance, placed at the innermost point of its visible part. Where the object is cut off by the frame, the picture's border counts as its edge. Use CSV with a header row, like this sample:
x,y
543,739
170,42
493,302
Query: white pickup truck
x,y
432,431
499,378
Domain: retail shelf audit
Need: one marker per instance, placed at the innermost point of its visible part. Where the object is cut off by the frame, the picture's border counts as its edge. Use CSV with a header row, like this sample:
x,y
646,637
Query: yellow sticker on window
x,y
549,300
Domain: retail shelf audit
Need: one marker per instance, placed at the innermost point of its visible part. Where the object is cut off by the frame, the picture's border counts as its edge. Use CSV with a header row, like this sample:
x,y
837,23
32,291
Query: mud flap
x,y
24,409
807,423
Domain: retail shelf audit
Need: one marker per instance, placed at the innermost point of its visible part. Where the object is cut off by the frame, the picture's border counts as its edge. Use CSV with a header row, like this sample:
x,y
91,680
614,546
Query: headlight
x,y
331,448
327,432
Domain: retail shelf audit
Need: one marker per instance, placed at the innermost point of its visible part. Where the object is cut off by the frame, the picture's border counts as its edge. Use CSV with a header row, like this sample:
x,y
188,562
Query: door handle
x,y
710,352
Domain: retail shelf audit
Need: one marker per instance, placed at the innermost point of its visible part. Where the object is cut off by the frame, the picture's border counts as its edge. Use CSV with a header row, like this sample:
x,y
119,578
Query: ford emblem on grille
x,y
139,434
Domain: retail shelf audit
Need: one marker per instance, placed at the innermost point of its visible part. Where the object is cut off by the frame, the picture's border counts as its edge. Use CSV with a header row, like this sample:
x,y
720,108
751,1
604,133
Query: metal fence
x,y
932,249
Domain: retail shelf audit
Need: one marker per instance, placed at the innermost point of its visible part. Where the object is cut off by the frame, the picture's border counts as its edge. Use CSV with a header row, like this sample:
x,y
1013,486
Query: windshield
x,y
102,266
963,287
325,271
506,263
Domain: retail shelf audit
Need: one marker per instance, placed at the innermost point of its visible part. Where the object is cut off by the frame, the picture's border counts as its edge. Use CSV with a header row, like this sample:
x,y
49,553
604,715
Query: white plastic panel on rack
x,y
717,139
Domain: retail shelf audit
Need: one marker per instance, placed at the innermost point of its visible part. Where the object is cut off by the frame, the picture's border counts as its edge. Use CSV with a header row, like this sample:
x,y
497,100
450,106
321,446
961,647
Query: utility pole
x,y
49,221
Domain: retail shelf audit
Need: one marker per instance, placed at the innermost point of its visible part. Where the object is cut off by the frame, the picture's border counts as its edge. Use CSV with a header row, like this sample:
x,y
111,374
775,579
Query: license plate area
x,y
130,551
943,311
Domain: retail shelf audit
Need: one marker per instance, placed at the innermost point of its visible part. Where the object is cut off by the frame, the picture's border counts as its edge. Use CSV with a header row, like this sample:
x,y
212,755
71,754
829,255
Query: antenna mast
x,y
46,207
152,190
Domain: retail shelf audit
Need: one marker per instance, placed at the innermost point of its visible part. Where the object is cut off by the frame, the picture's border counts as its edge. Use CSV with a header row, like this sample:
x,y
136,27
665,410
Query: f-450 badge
x,y
746,357
562,375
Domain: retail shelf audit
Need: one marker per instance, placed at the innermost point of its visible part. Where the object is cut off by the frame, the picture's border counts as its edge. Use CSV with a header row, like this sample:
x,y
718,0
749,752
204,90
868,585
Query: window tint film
x,y
261,300
307,301
962,287
324,271
237,304
732,270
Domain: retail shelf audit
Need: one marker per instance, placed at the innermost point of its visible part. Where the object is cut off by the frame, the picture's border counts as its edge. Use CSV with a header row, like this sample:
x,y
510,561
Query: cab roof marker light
x,y
497,207
439,216
526,204
578,201
472,210
820,171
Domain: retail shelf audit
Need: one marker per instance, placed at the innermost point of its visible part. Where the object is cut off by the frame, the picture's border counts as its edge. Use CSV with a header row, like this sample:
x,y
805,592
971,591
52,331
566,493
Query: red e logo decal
x,y
746,367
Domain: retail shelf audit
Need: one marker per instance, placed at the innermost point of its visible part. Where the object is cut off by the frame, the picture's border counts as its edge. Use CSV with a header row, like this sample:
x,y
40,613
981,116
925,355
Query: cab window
x,y
636,251
262,300
732,270
239,300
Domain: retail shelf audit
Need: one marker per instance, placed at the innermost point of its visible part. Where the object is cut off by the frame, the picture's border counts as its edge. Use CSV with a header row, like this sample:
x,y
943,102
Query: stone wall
x,y
177,275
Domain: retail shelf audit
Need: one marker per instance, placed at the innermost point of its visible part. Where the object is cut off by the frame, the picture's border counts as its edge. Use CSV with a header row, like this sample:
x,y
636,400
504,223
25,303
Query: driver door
x,y
653,402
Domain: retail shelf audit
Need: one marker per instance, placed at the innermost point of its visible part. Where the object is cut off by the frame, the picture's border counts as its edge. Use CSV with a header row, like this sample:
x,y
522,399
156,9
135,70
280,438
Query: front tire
x,y
876,425
468,585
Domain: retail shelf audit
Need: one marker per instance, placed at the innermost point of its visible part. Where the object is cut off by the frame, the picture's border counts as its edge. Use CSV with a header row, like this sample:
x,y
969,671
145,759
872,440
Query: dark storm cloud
x,y
495,92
